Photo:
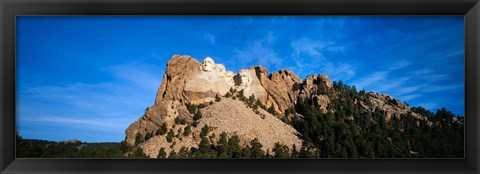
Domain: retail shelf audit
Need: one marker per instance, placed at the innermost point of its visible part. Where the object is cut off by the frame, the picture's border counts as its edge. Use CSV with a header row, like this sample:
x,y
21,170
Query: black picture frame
x,y
11,8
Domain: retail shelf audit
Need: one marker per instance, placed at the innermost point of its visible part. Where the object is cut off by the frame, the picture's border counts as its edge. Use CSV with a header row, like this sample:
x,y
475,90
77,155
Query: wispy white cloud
x,y
399,65
109,106
435,77
388,84
310,47
383,80
437,88
429,75
314,51
210,38
429,106
105,124
443,55
141,75
315,48
270,38
421,72
394,82
342,71
410,97
401,90
258,52
398,84
372,79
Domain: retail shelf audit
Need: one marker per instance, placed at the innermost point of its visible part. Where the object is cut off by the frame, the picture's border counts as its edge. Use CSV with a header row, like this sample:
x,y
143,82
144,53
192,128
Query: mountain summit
x,y
188,83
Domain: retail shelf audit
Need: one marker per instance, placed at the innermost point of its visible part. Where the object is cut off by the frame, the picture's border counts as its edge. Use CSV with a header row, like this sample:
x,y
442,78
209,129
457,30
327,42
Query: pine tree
x,y
148,135
162,130
138,138
138,153
172,154
124,147
251,101
187,130
295,153
204,150
223,146
162,153
183,152
170,136
234,150
271,110
197,115
281,151
204,131
256,149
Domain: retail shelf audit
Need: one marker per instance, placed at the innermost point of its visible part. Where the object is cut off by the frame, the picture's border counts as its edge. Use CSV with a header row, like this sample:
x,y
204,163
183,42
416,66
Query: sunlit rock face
x,y
208,64
197,82
213,79
247,81
279,87
229,77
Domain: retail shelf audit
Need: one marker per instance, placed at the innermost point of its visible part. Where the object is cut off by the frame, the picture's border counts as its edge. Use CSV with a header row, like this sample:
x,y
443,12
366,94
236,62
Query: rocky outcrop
x,y
315,88
247,81
390,106
279,88
154,116
187,80
179,68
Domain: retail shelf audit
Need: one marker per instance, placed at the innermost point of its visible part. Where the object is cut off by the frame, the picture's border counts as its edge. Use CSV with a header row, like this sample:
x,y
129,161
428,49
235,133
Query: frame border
x,y
12,8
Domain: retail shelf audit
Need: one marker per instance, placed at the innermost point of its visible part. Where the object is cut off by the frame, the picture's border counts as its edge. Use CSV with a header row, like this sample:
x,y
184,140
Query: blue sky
x,y
88,78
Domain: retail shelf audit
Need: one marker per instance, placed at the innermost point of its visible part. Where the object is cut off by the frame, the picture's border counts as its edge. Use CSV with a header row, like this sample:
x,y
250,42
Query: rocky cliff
x,y
187,81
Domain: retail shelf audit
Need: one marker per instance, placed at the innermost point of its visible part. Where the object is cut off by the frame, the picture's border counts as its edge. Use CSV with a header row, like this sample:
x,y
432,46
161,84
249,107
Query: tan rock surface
x,y
279,88
240,120
179,68
247,81
312,85
243,121
390,106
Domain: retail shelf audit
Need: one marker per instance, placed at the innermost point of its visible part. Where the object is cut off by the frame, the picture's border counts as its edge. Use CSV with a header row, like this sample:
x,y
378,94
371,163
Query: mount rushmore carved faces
x,y
208,64
215,72
229,76
245,78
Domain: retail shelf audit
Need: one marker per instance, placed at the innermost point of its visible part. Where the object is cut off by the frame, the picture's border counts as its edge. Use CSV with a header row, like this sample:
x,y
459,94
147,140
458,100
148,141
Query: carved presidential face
x,y
208,64
220,68
245,77
229,75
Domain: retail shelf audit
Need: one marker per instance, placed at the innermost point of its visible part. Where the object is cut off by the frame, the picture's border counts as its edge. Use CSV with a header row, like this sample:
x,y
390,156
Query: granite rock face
x,y
187,80
278,87
315,88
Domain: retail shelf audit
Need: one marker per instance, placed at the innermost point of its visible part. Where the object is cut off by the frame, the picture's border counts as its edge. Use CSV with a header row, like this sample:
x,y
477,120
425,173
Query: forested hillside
x,y
354,132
